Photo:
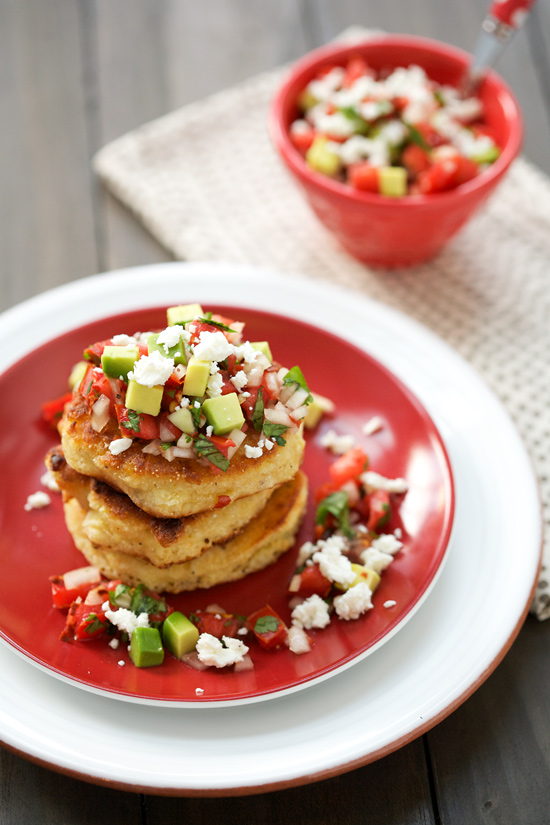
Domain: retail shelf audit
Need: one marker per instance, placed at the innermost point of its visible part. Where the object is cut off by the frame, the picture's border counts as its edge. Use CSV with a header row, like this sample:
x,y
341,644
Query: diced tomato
x,y
249,403
217,624
227,385
222,443
63,597
324,490
53,410
379,509
447,174
400,102
165,423
415,159
84,622
268,627
313,582
94,353
96,383
363,176
222,501
137,425
200,326
356,68
302,140
430,135
348,466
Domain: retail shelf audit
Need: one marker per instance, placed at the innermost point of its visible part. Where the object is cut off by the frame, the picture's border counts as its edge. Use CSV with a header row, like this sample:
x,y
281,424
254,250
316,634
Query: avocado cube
x,y
392,181
224,413
316,409
183,419
196,377
323,159
362,574
183,313
263,347
177,352
144,399
179,634
117,362
77,374
488,155
146,648
307,100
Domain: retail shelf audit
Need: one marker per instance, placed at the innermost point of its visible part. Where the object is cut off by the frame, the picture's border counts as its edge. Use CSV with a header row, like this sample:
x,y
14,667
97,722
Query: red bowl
x,y
396,231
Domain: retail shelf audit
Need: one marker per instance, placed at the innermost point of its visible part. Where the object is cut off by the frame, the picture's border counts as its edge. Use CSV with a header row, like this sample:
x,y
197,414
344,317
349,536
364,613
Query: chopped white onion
x,y
182,452
273,382
238,437
152,448
100,413
287,392
165,433
300,412
215,608
82,575
295,582
245,664
297,398
278,415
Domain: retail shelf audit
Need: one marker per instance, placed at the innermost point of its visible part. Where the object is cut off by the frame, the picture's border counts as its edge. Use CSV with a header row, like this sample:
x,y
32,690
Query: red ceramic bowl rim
x,y
304,66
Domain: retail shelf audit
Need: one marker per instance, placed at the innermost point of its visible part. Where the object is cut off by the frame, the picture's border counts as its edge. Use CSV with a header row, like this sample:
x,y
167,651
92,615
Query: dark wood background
x,y
74,74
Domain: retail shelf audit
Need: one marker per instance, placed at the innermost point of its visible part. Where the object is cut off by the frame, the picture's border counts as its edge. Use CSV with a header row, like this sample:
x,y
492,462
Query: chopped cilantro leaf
x,y
204,447
257,417
416,137
133,421
275,432
337,505
165,445
296,376
217,324
93,623
195,414
360,125
143,603
266,624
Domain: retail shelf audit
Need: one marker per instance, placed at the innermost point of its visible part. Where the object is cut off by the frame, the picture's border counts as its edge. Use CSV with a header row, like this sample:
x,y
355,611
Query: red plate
x,y
36,544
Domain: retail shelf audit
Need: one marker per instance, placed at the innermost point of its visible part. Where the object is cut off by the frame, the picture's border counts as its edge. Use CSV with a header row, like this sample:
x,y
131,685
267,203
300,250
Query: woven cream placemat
x,y
206,182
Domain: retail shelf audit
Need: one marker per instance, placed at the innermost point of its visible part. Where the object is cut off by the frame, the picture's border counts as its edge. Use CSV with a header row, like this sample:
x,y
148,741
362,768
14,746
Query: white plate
x,y
442,655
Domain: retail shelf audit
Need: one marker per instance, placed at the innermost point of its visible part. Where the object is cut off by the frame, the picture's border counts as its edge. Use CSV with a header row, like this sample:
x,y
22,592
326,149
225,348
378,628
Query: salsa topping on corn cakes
x,y
192,390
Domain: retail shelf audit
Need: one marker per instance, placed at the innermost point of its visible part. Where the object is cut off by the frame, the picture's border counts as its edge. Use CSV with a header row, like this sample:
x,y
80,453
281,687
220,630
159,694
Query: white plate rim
x,y
335,308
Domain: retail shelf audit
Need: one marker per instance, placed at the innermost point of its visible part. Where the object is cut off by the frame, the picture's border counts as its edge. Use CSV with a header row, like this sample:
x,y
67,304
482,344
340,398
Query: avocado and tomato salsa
x,y
394,133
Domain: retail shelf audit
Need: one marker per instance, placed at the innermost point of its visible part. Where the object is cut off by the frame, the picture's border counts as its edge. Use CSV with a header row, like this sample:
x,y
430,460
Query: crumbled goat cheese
x,y
169,337
118,445
387,543
121,662
152,370
375,559
398,533
212,346
252,452
214,385
297,640
312,612
336,124
209,430
239,380
127,620
305,552
333,564
114,643
49,481
373,425
338,444
374,481
215,653
199,691
37,501
354,602
322,88
123,340
390,603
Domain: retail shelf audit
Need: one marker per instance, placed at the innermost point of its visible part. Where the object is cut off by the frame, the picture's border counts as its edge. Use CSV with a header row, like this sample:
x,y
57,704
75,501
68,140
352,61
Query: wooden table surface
x,y
74,74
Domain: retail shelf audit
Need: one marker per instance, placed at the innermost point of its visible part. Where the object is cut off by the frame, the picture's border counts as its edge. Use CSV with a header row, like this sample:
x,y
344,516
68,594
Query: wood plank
x,y
393,790
46,221
30,794
153,58
492,756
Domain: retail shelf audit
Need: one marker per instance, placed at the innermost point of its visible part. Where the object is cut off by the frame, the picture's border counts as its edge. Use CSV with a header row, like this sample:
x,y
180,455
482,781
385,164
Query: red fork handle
x,y
511,12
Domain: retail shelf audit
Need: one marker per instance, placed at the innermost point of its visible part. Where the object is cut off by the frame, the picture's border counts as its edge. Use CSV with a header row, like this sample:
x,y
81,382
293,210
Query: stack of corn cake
x,y
174,512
